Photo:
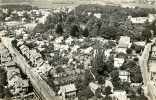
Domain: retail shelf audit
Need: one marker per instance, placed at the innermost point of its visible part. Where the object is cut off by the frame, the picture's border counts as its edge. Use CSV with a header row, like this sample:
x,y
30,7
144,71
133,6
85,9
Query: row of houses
x,y
152,62
16,84
32,55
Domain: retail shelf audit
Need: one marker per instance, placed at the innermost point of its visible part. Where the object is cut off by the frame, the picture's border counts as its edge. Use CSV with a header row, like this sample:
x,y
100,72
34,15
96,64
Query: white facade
x,y
120,95
118,62
124,76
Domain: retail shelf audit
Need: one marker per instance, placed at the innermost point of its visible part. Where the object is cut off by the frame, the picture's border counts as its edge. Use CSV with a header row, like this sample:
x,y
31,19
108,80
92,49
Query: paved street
x,y
38,83
143,61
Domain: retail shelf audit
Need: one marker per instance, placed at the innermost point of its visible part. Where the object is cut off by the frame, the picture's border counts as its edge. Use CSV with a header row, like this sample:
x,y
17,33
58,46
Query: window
x,y
153,54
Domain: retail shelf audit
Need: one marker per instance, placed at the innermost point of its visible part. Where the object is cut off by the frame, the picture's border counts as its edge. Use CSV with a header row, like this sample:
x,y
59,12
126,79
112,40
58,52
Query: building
x,y
152,63
32,55
140,43
109,83
118,62
124,42
138,20
119,95
124,76
93,87
36,58
153,70
68,91
98,15
16,84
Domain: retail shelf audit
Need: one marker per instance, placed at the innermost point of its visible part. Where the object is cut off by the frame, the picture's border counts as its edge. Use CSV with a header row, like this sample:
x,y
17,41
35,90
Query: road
x,y
38,83
150,89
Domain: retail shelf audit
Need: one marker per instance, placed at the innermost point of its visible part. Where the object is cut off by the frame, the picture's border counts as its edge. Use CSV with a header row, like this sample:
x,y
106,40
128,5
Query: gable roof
x,y
67,88
124,41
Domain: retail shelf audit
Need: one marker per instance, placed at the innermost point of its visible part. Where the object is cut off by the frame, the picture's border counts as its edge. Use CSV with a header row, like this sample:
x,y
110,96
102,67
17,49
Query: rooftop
x,y
124,42
67,88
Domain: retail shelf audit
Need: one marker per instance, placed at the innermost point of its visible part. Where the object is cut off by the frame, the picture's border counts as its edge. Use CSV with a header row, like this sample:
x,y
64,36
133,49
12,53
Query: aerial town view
x,y
78,50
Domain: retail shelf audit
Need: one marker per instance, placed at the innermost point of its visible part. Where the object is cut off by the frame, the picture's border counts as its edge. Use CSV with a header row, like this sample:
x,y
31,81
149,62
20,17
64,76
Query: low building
x,y
138,20
118,62
124,76
68,91
124,42
36,58
15,82
93,87
119,95
140,43
153,70
98,15
109,83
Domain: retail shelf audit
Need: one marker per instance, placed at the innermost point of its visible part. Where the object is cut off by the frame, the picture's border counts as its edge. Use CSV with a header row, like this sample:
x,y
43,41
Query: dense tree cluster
x,y
81,21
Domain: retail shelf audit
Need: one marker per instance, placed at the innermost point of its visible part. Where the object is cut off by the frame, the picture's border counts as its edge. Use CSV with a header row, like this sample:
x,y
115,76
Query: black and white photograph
x,y
77,49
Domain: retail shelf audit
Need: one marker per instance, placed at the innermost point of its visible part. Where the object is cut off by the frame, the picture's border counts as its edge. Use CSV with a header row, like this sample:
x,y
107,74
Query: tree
x,y
3,81
115,79
135,72
108,90
59,70
74,31
129,51
101,79
59,29
109,32
108,98
40,28
126,86
88,77
98,93
85,94
153,27
101,67
14,43
85,32
146,35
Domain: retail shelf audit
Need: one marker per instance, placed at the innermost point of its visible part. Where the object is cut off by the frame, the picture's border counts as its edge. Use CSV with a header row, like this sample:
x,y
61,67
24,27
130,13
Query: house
x,y
109,83
93,86
108,52
11,72
138,20
18,85
98,15
68,91
25,50
120,50
124,76
118,62
136,85
36,58
30,26
152,17
140,43
124,42
15,82
119,95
